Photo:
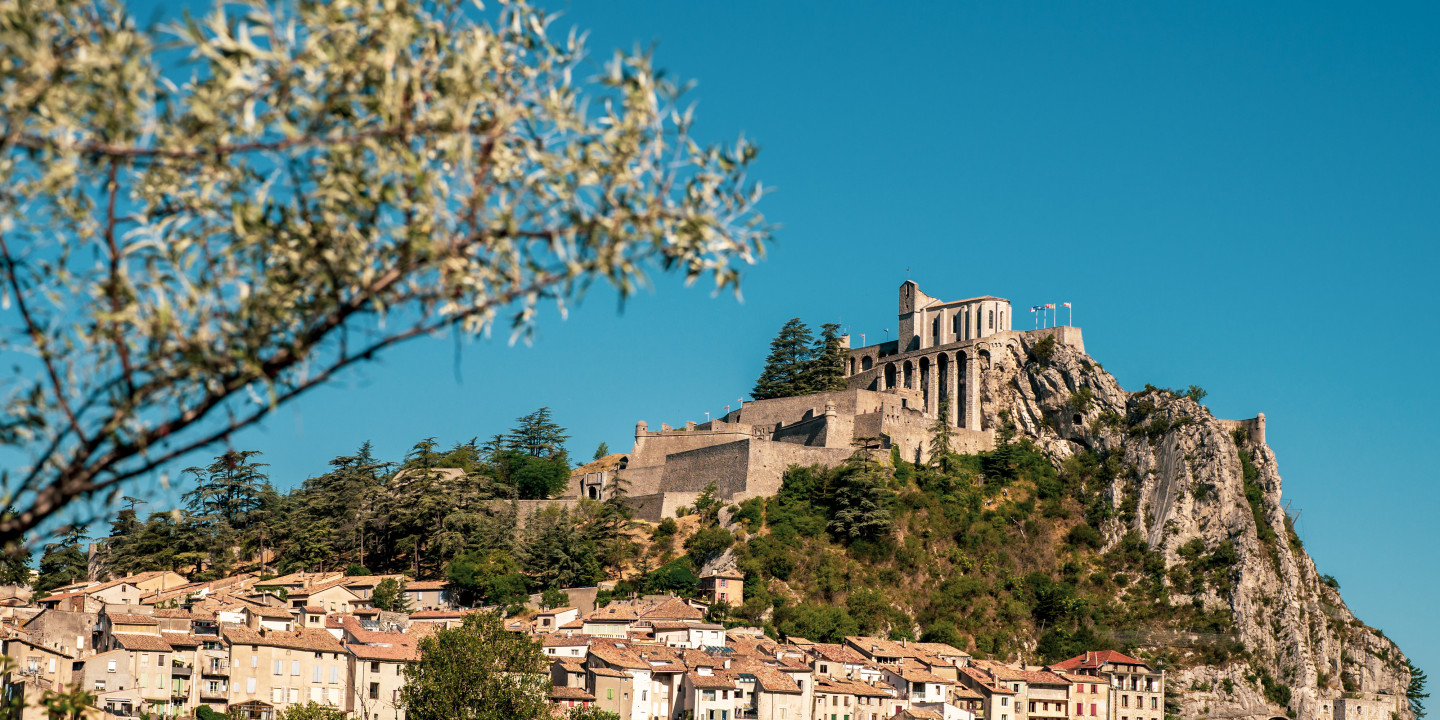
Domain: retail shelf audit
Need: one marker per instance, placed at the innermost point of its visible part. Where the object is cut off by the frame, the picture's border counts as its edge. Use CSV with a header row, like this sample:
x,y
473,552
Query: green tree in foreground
x,y
477,671
195,236
312,711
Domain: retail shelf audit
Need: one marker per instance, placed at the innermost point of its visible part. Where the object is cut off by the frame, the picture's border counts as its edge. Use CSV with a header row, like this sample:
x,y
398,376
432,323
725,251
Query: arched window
x,y
866,363
1002,320
992,319
852,366
935,331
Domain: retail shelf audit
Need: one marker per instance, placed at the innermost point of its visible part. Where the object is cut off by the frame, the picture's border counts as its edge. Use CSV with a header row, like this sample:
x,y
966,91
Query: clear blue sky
x,y
1243,196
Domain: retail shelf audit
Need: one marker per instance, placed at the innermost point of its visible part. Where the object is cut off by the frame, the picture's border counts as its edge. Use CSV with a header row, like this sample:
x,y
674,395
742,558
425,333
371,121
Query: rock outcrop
x,y
1185,478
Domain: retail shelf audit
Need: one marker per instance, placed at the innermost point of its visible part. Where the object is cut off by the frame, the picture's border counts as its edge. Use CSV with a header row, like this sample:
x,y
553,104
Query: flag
x,y
1035,308
1050,306
1067,304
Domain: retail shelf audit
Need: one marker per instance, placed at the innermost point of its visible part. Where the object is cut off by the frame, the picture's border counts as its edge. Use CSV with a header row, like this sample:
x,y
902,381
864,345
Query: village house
x,y
274,669
1137,690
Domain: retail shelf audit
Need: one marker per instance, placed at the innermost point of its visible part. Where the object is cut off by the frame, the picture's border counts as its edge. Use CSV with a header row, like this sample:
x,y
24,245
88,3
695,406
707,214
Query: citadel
x,y
938,363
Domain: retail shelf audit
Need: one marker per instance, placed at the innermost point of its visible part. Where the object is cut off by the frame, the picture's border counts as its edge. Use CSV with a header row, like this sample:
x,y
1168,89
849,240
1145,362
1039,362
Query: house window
x,y
374,667
609,693
315,674
294,667
249,685
110,666
374,691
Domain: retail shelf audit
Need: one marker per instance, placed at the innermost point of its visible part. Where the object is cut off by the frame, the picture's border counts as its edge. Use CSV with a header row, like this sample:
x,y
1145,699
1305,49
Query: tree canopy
x,y
190,240
800,363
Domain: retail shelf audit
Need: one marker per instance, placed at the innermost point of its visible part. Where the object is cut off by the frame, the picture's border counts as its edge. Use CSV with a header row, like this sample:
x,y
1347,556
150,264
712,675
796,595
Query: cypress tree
x,y
785,369
825,370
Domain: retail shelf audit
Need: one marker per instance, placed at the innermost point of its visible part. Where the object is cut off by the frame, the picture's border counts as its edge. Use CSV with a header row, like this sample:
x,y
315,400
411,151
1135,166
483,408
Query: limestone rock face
x,y
1186,468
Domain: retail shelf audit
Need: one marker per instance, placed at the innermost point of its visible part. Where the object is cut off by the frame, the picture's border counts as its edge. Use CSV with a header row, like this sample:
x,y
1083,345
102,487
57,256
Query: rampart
x,y
1254,427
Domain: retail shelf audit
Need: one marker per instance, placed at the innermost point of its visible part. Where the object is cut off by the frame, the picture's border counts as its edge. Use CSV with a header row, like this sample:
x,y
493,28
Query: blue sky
x,y
1242,196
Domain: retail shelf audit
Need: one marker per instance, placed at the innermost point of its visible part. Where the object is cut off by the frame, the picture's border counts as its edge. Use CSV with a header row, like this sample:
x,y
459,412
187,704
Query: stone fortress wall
x,y
947,360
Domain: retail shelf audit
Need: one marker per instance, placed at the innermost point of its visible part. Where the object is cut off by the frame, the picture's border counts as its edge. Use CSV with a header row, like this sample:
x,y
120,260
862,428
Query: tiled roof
x,y
718,681
916,675
836,653
183,639
400,648
312,639
1093,660
144,643
556,640
440,614
561,692
851,687
426,585
131,619
986,683
940,649
612,613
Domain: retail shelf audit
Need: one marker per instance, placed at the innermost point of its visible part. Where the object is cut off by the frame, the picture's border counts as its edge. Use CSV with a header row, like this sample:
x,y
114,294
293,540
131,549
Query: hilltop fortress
x,y
897,389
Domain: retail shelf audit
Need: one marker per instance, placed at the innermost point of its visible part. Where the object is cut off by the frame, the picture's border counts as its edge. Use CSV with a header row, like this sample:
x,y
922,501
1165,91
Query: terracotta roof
x,y
768,678
673,609
556,640
940,649
146,643
131,619
718,681
426,585
916,675
400,648
874,646
312,639
836,653
561,692
555,611
266,611
370,580
607,672
440,614
618,657
613,613
183,639
961,692
184,614
1093,660
851,687
985,682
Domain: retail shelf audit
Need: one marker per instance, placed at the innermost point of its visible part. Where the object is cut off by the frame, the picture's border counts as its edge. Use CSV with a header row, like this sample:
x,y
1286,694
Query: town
x,y
154,644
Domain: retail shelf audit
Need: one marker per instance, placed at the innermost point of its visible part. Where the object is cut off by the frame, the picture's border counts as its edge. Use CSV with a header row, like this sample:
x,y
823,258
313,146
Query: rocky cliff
x,y
1185,479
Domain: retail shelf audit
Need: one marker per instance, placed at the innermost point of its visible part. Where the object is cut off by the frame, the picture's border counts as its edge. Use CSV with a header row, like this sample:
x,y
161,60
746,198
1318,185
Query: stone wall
x,y
1254,427
768,461
724,465
657,506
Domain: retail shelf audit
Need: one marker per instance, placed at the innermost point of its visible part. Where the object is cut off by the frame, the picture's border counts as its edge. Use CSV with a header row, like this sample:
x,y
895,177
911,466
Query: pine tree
x,y
63,562
601,451
940,435
785,368
825,369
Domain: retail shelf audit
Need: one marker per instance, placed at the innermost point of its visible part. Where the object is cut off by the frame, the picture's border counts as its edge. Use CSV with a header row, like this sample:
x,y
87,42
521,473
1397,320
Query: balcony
x,y
216,669
214,694
180,671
